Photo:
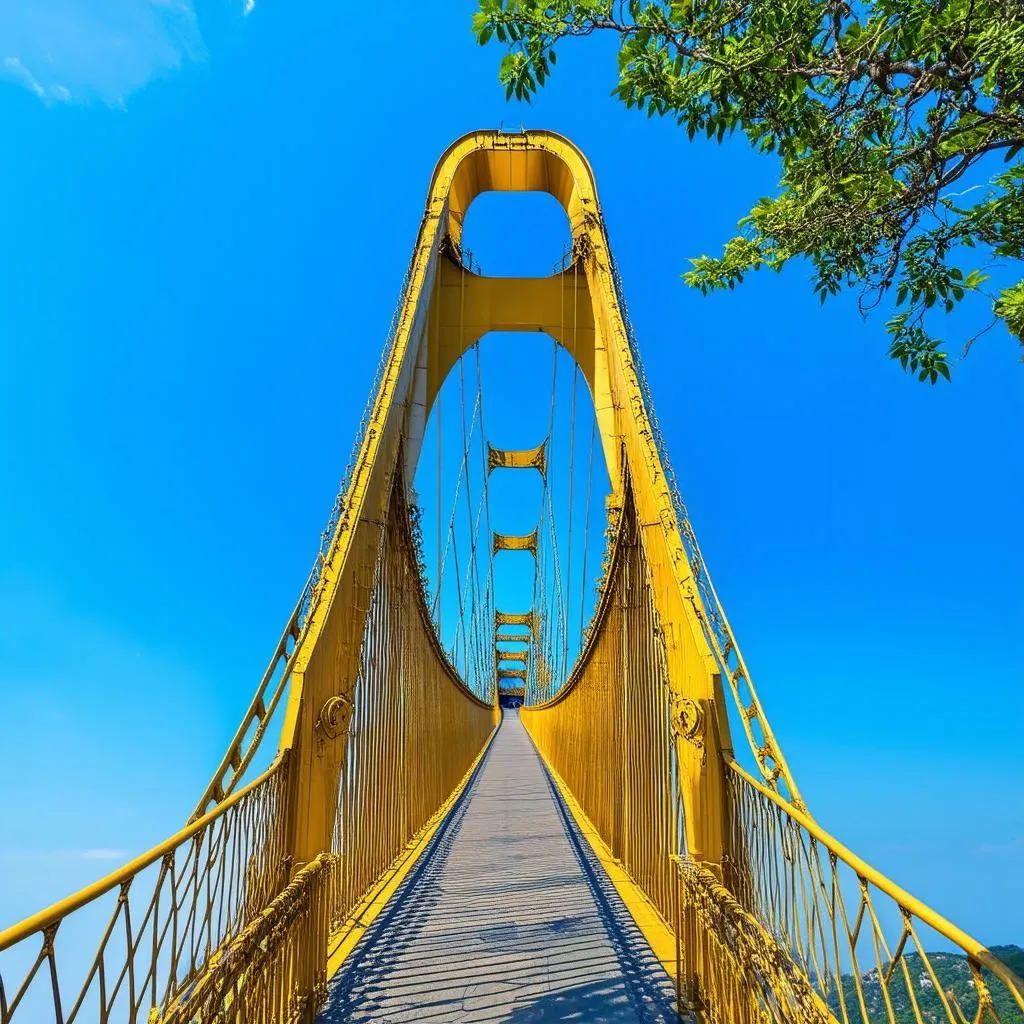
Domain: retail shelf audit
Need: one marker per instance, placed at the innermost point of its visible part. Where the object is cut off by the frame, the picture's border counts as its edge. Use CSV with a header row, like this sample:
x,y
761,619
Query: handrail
x,y
233,970
57,911
903,899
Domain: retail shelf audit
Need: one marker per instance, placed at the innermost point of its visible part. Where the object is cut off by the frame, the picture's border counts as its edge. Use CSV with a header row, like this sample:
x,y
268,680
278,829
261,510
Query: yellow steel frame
x,y
511,542
513,619
530,458
449,308
411,727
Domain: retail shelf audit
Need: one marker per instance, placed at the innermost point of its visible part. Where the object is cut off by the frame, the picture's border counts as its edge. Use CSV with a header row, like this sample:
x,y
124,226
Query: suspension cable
x,y
572,466
490,659
586,525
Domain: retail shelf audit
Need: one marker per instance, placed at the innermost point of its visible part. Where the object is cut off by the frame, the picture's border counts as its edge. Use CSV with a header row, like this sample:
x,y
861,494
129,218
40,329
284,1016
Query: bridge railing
x,y
274,685
155,923
821,935
274,970
207,925
607,731
414,728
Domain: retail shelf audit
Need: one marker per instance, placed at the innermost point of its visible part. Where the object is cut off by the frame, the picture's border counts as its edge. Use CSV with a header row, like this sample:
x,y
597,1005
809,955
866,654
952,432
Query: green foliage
x,y
953,974
1012,956
1010,306
885,115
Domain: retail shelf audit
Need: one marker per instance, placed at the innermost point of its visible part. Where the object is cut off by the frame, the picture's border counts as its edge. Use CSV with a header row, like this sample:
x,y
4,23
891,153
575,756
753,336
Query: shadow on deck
x,y
508,916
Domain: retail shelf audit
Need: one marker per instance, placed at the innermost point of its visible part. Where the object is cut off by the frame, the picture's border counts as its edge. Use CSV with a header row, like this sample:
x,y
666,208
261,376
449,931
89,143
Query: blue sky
x,y
206,218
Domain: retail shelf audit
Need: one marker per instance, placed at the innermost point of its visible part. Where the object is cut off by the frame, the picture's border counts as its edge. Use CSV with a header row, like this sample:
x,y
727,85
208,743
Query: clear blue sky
x,y
206,216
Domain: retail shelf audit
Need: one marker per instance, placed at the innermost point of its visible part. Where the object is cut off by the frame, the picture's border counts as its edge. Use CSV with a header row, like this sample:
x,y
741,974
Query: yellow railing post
x,y
321,699
697,737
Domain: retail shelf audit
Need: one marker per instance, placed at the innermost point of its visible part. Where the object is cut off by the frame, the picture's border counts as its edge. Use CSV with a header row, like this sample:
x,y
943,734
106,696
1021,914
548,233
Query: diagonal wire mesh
x,y
154,924
866,948
275,969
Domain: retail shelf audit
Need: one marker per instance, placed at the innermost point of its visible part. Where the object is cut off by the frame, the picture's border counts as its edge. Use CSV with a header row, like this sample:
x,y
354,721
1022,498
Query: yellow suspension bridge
x,y
419,847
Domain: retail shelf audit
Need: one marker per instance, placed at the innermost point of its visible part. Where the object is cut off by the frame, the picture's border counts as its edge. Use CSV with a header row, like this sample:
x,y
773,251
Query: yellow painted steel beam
x,y
579,308
513,638
447,309
529,458
512,655
512,542
514,619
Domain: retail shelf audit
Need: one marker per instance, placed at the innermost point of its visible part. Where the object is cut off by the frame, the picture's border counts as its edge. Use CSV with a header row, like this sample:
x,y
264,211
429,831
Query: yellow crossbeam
x,y
510,542
514,619
528,458
513,638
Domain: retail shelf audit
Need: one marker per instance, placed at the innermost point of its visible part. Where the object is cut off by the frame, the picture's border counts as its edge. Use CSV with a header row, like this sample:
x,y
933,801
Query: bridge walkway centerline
x,y
508,916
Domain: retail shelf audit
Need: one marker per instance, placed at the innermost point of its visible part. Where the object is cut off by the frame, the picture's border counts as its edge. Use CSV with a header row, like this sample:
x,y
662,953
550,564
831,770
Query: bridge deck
x,y
507,917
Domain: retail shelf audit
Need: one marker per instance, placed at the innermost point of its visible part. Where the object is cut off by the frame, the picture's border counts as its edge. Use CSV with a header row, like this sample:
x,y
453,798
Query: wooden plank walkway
x,y
508,916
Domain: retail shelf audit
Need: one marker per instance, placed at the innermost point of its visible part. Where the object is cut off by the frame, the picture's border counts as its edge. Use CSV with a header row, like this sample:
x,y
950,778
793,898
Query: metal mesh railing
x,y
607,732
273,685
130,945
275,970
870,952
414,727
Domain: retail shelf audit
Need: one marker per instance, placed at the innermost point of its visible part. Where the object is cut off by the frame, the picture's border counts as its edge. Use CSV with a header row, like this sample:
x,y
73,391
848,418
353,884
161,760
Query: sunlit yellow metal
x,y
514,638
414,731
841,921
158,917
510,542
724,949
463,306
606,731
773,919
513,619
529,458
275,970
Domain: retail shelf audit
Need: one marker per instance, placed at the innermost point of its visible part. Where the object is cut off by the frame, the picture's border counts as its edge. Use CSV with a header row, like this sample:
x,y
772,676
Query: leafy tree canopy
x,y
897,123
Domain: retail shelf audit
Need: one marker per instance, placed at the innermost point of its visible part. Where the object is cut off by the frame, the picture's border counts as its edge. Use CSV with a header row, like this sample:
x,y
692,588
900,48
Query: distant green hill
x,y
954,977
1012,956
